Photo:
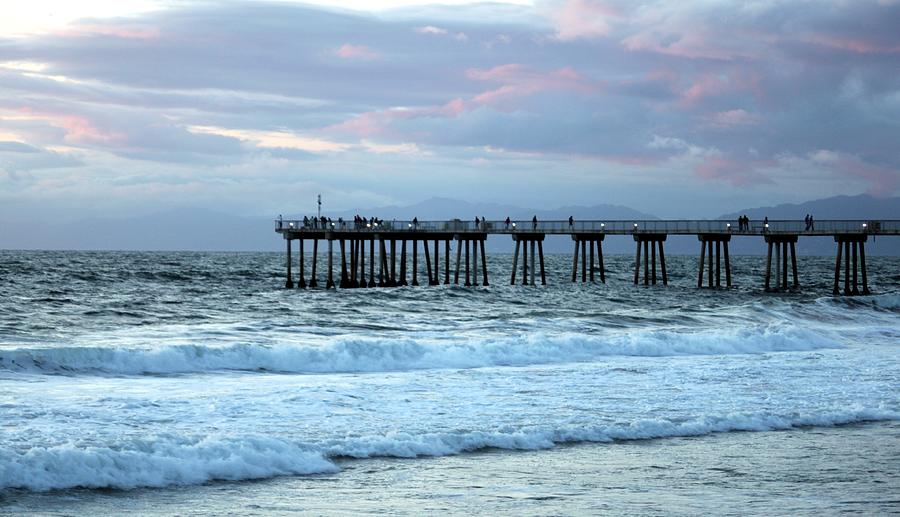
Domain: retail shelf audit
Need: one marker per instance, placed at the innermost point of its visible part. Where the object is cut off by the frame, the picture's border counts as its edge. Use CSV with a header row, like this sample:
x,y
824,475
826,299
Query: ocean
x,y
194,383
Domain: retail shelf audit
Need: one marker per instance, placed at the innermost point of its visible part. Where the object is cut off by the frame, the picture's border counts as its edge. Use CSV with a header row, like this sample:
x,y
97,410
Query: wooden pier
x,y
353,238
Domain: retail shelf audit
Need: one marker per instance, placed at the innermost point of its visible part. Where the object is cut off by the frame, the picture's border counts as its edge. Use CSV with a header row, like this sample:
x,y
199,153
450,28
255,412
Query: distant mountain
x,y
439,208
204,230
861,207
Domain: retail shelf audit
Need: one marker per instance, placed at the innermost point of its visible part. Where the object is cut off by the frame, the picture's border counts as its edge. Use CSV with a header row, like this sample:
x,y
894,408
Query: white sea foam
x,y
358,354
167,460
885,301
157,462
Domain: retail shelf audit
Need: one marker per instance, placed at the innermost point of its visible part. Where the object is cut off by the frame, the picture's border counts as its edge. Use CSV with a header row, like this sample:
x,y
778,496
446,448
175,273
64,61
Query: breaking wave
x,y
167,460
358,354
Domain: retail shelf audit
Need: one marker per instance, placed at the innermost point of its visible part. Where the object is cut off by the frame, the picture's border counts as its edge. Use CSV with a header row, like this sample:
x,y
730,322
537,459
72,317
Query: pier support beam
x,y
345,280
415,264
313,283
780,244
372,263
301,283
709,241
524,241
649,243
362,264
289,283
854,255
586,241
403,263
329,284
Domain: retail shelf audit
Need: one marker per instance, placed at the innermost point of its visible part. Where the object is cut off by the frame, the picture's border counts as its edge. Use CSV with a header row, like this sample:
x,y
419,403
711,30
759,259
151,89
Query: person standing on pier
x,y
507,222
476,222
416,223
534,223
571,222
279,221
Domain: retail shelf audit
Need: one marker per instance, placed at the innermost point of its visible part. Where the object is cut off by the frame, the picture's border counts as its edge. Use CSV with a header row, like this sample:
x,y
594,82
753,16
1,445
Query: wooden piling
x,y
768,265
710,251
653,262
847,267
403,262
855,246
637,262
646,263
344,279
727,265
354,248
372,263
393,277
474,245
415,264
525,263
313,283
702,255
515,264
837,269
484,271
574,261
784,265
662,262
718,263
600,264
583,261
329,283
302,282
533,275
459,247
591,254
862,263
427,261
465,243
447,261
437,262
289,283
794,264
540,252
362,263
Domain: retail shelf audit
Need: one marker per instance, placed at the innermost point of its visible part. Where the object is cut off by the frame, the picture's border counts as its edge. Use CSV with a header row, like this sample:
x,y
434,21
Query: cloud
x,y
583,19
348,51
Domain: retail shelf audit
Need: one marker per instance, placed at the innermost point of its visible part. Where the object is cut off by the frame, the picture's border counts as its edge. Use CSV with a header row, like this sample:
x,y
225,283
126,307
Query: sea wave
x,y
358,354
168,461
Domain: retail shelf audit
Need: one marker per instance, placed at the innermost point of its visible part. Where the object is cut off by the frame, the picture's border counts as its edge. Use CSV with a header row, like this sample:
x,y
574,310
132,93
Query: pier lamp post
x,y
728,227
602,227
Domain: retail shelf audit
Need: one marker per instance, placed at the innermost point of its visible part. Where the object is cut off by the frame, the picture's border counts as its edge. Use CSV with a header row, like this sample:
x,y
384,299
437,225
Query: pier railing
x,y
618,227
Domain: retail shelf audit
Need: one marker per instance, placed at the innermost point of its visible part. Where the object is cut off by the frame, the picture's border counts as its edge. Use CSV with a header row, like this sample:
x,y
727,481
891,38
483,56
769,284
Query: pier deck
x,y
781,236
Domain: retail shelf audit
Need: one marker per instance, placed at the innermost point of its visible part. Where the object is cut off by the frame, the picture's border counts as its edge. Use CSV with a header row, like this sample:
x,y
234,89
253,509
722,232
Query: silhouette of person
x,y
534,223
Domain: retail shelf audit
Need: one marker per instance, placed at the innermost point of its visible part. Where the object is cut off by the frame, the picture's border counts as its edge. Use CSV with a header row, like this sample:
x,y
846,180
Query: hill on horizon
x,y
189,229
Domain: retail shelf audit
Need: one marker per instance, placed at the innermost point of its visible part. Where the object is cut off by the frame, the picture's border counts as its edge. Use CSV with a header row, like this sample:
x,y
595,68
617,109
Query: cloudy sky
x,y
681,109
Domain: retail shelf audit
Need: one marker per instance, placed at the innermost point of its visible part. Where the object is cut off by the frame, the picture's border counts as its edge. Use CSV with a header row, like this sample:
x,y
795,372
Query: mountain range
x,y
204,230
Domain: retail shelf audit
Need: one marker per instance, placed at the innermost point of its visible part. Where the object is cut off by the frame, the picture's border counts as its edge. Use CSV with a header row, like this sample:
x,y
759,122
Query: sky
x,y
679,109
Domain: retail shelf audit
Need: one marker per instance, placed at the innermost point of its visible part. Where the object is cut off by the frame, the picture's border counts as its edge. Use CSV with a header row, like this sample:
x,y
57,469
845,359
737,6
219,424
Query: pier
x,y
714,236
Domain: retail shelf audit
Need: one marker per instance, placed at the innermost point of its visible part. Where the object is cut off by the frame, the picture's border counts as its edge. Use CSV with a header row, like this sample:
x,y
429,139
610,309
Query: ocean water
x,y
194,383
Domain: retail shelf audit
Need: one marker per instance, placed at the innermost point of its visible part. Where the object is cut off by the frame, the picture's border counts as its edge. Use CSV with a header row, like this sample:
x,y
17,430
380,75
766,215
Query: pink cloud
x,y
739,173
517,82
884,180
857,45
348,51
583,19
711,85
78,128
732,118
125,32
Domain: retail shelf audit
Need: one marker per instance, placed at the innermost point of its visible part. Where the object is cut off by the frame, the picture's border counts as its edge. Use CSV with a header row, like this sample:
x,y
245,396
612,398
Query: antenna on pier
x,y
320,205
